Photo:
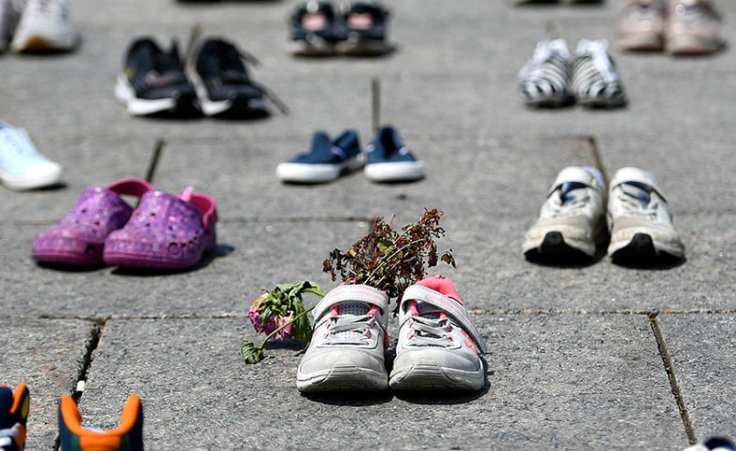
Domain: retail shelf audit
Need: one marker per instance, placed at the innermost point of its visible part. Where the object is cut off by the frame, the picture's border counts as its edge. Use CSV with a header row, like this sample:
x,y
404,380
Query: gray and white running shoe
x,y
640,220
595,82
438,346
571,220
44,27
544,81
348,347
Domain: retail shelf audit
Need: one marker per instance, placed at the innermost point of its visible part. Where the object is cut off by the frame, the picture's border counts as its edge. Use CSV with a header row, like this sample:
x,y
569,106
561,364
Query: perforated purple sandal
x,y
79,238
166,231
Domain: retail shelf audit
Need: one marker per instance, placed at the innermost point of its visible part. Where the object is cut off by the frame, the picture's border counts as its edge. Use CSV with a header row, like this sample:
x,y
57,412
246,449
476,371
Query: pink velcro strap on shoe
x,y
350,293
207,206
130,187
448,305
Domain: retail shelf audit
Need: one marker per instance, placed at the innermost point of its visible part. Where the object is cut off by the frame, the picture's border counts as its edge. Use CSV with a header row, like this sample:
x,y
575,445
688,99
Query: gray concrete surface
x,y
573,361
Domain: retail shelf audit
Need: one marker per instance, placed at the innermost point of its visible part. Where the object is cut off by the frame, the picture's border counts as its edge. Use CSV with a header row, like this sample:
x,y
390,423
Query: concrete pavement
x,y
574,360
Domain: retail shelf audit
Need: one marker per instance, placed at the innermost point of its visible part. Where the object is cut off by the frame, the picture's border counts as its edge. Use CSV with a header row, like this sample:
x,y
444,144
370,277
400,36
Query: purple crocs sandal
x,y
79,238
166,231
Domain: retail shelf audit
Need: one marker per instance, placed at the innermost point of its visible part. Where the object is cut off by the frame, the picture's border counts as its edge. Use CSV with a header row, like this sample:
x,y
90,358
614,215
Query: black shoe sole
x,y
641,251
555,249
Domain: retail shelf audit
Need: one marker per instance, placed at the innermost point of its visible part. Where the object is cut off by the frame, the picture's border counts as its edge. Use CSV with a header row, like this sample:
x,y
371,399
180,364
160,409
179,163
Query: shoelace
x,y
637,201
431,331
349,330
568,202
232,65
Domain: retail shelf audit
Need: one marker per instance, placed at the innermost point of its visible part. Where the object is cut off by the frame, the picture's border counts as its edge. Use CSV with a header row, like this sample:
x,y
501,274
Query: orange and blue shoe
x,y
127,437
13,415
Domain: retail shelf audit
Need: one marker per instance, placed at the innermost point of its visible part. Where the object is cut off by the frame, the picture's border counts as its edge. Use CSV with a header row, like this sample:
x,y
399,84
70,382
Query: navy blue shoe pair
x,y
386,159
359,28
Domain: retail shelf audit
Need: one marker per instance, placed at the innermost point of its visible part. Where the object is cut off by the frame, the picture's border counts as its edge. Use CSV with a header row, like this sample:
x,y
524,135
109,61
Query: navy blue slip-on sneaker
x,y
365,30
222,82
314,30
389,160
325,160
153,81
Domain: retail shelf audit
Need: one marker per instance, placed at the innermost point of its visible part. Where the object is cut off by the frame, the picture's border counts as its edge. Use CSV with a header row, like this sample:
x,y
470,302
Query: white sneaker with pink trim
x,y
438,347
348,348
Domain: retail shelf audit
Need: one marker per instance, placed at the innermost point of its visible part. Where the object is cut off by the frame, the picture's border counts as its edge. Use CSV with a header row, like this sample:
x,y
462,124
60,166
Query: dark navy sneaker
x,y
13,416
365,30
153,81
314,30
325,161
222,82
389,160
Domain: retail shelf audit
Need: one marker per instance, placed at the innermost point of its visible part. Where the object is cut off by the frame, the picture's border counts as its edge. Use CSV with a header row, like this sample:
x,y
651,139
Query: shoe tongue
x,y
638,191
428,310
566,191
353,308
320,141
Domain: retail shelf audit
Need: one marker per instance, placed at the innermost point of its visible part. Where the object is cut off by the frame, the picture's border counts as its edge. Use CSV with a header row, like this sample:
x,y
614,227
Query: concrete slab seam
x,y
669,368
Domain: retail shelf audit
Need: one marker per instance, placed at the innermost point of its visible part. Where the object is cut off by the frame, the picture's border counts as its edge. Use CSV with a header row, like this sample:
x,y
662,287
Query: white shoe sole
x,y
125,93
317,48
692,45
42,42
342,379
645,243
47,175
316,173
363,48
428,376
395,172
217,107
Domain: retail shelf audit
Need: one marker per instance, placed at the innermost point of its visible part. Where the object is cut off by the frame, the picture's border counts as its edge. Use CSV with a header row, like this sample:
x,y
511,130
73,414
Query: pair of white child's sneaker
x,y
438,347
573,219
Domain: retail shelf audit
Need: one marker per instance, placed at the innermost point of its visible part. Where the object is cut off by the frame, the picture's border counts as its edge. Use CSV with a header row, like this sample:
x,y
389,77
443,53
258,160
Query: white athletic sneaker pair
x,y
438,346
574,216
36,26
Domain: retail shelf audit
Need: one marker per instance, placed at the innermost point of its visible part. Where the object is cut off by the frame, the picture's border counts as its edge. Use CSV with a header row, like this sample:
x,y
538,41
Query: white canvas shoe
x,y
348,347
21,166
44,27
572,219
640,219
438,346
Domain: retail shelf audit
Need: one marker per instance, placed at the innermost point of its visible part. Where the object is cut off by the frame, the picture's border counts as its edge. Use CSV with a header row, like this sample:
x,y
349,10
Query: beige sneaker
x,y
640,219
642,26
693,28
571,219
